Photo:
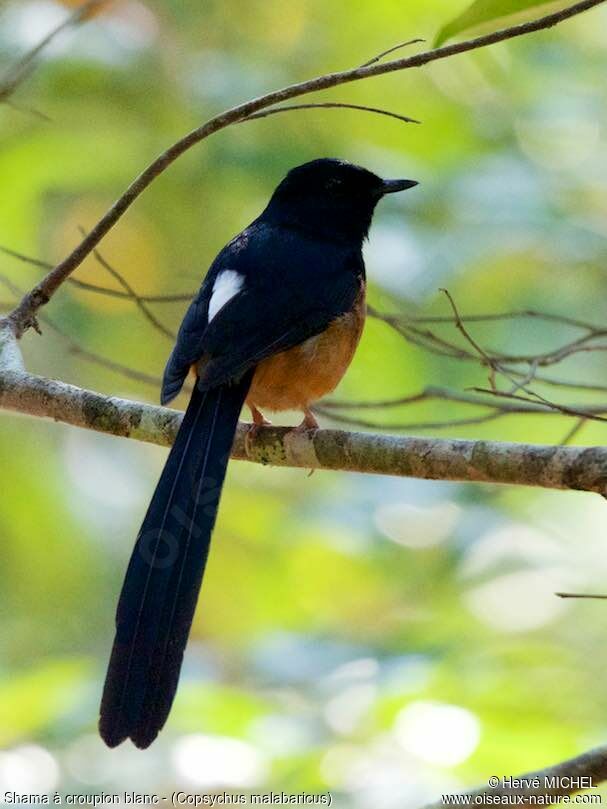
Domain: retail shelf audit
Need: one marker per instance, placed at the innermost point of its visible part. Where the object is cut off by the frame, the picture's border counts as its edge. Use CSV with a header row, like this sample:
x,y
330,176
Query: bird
x,y
274,326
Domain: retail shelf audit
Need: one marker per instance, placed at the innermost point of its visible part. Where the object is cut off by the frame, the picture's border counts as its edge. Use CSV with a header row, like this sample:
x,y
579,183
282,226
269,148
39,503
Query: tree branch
x,y
583,468
24,315
584,771
497,404
331,105
387,52
100,290
132,295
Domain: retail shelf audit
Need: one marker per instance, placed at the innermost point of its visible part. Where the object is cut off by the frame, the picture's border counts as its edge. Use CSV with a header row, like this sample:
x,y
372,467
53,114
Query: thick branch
x,y
553,467
23,317
556,781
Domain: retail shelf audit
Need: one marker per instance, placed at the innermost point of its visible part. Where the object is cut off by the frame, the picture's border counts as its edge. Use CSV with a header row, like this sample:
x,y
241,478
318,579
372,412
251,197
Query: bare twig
x,y
75,348
24,315
536,788
331,105
523,381
566,383
35,262
112,293
392,50
410,426
519,381
429,341
588,413
581,595
489,361
423,338
575,430
521,313
513,404
103,362
25,109
553,467
130,292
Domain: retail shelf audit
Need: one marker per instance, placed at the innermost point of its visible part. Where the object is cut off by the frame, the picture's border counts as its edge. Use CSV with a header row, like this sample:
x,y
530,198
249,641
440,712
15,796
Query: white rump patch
x,y
227,284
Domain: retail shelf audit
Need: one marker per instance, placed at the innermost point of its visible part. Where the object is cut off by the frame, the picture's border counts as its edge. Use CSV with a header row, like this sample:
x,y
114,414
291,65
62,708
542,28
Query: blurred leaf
x,y
483,12
217,709
38,698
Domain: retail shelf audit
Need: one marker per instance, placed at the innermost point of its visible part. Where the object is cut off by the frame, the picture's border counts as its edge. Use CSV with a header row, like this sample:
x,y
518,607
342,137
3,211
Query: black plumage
x,y
163,578
296,269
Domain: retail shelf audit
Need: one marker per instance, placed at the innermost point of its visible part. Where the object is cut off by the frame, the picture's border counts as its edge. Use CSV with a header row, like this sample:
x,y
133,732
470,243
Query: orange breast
x,y
294,379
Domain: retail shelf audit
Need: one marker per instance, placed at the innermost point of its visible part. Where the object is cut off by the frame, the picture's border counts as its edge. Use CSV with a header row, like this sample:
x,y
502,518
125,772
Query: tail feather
x,y
163,578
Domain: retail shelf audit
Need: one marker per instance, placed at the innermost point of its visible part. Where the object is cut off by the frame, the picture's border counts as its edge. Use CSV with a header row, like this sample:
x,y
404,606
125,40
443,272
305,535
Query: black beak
x,y
392,186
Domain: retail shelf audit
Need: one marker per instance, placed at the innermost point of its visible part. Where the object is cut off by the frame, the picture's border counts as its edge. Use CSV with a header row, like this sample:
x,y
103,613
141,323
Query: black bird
x,y
275,324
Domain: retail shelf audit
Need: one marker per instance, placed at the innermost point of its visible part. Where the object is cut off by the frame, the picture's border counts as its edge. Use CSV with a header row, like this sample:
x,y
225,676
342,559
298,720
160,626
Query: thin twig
x,y
431,392
113,293
553,467
75,348
518,384
141,305
564,409
24,315
488,317
25,109
411,425
564,383
489,361
523,381
541,787
391,50
94,358
442,347
575,430
423,338
331,105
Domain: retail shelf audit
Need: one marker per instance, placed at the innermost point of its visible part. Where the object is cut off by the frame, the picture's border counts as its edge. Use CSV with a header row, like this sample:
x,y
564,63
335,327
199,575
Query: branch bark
x,y
552,467
24,315
584,771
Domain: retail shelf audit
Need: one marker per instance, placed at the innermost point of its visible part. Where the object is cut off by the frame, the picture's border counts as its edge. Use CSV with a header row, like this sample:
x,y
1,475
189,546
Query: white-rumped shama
x,y
275,324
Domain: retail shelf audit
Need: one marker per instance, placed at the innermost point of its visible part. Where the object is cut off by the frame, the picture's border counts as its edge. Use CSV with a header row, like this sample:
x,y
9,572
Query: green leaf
x,y
484,13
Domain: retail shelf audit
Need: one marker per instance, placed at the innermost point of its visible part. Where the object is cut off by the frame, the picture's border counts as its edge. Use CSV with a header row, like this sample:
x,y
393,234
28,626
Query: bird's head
x,y
330,198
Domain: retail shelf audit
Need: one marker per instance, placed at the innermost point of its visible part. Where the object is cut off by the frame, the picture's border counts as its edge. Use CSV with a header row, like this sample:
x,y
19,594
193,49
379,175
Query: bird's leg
x,y
309,422
259,420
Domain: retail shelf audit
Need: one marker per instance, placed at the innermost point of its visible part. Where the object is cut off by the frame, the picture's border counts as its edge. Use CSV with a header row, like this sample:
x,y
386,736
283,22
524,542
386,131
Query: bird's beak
x,y
392,186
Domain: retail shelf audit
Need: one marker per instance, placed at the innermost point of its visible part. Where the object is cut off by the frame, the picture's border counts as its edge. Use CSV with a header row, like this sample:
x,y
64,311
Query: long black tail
x,y
163,578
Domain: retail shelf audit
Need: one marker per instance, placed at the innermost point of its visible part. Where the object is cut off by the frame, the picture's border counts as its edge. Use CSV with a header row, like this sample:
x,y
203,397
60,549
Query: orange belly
x,y
294,379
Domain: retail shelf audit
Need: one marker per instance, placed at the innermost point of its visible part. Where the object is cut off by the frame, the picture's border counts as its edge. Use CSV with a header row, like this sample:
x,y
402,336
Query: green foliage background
x,y
386,640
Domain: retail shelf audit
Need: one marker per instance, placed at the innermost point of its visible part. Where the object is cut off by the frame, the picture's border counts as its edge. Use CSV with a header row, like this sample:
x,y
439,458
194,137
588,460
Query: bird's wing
x,y
262,298
188,346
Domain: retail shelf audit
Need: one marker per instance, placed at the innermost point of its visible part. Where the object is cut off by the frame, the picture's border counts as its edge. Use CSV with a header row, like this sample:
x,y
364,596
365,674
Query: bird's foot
x,y
309,423
259,421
